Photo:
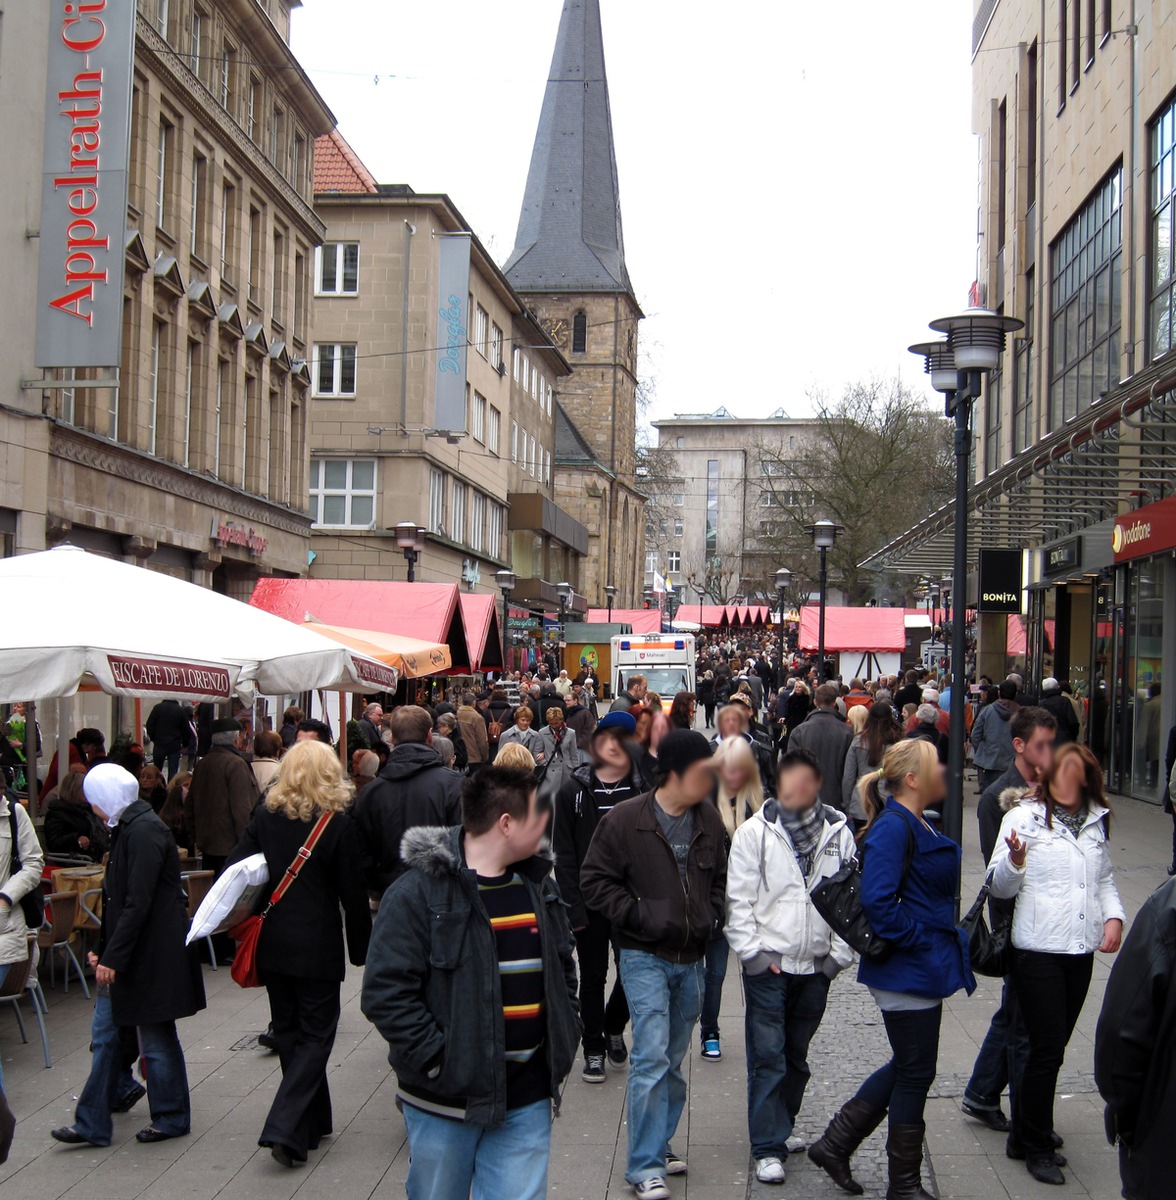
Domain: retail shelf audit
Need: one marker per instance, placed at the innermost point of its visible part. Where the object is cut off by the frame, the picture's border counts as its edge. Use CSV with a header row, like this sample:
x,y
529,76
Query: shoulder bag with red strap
x,y
244,972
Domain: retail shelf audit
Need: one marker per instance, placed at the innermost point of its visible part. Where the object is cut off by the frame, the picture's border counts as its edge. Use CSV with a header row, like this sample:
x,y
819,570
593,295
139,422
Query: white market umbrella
x,y
77,619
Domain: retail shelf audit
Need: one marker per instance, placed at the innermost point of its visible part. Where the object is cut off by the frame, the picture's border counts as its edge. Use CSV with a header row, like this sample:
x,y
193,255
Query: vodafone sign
x,y
1148,530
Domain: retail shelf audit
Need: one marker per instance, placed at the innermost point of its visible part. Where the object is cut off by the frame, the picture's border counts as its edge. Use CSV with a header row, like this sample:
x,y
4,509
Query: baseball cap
x,y
623,722
680,749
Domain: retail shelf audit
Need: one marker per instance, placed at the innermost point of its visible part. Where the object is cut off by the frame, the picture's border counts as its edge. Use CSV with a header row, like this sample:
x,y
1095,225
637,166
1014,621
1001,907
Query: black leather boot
x,y
904,1149
848,1129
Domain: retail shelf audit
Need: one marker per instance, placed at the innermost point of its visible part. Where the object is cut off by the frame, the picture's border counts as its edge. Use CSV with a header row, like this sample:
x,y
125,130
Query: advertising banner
x,y
84,183
449,397
1000,581
1148,530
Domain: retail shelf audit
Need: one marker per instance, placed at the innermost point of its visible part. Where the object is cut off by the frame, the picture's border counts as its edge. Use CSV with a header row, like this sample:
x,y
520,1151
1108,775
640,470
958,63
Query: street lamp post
x,y
566,592
783,579
957,366
410,537
824,534
610,592
506,584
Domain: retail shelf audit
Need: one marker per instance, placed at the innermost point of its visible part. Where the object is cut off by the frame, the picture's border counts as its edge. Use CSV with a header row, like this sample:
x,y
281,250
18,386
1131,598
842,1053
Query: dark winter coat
x,y
169,726
220,801
1059,706
432,986
930,733
65,822
1135,1049
630,875
144,923
583,722
796,709
303,935
826,735
412,788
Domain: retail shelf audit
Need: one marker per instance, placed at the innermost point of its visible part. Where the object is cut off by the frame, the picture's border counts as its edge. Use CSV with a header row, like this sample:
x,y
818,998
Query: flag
x,y
659,582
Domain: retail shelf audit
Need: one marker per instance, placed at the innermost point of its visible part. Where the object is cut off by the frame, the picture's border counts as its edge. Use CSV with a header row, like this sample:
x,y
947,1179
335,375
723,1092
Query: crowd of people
x,y
516,845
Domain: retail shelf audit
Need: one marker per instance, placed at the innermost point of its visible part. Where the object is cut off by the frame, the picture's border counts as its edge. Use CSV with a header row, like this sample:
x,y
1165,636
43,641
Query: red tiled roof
x,y
337,168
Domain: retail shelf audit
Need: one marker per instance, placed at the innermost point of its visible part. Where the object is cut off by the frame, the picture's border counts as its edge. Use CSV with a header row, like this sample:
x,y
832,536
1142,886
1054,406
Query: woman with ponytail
x,y
910,878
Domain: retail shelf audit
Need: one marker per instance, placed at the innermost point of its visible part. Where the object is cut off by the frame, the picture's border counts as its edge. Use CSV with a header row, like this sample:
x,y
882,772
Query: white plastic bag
x,y
231,898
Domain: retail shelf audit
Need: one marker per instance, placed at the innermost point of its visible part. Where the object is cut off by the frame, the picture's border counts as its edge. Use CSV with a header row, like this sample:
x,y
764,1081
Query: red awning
x,y
479,614
643,620
880,630
428,611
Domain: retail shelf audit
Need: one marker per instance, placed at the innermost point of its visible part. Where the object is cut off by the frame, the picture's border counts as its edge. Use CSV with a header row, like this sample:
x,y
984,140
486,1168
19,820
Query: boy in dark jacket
x,y
657,870
471,981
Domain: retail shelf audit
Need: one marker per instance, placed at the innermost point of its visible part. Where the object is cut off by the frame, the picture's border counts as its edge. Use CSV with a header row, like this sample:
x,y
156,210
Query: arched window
x,y
579,333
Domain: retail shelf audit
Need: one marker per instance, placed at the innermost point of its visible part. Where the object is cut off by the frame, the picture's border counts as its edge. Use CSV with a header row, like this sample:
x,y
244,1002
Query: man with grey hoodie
x,y
992,736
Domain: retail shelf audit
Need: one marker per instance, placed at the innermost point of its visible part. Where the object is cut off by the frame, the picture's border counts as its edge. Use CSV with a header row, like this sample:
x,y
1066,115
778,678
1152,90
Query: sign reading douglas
x,y
84,184
453,276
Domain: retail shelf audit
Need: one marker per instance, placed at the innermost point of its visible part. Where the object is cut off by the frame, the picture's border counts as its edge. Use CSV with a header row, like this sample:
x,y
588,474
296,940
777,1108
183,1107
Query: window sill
x,y
336,295
343,528
331,396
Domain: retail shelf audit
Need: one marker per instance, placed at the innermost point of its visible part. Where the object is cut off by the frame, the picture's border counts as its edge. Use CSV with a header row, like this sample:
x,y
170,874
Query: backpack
x,y
494,730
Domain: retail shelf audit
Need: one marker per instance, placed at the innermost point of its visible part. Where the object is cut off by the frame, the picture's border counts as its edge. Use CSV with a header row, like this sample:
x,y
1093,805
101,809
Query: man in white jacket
x,y
789,954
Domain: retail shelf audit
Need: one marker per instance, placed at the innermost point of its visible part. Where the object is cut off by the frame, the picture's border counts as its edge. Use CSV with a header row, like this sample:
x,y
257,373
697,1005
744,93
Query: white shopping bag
x,y
231,899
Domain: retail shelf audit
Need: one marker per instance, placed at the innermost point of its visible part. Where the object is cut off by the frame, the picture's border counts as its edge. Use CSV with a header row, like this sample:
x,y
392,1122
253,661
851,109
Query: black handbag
x,y
990,950
839,901
32,904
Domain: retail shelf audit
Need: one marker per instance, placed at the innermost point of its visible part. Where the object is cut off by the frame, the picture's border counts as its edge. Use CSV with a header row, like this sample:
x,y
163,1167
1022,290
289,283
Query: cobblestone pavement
x,y
233,1082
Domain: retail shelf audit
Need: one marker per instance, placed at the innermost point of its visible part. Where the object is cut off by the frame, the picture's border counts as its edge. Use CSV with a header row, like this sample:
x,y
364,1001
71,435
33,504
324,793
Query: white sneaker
x,y
652,1189
769,1170
674,1164
796,1144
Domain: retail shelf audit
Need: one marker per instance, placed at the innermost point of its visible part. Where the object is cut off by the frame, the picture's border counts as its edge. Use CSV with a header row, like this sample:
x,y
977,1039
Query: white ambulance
x,y
665,659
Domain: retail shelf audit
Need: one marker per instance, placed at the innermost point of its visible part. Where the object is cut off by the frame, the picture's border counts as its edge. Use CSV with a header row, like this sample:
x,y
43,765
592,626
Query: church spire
x,y
569,237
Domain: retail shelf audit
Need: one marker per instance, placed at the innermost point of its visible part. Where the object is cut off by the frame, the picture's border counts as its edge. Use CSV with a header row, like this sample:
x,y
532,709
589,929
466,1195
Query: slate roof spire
x,y
569,237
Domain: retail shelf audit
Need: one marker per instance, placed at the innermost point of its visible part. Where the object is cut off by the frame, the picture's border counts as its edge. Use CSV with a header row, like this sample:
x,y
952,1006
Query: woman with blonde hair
x,y
910,879
739,793
522,733
300,952
515,754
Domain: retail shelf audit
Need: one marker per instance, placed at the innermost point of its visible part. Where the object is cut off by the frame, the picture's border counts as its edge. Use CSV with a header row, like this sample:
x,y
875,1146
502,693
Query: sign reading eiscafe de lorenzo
x,y
170,678
1147,530
375,673
84,183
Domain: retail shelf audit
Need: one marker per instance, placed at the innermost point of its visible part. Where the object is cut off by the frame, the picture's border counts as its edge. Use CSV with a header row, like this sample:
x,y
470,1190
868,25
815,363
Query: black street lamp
x,y
957,366
565,592
783,579
824,534
506,584
410,537
610,592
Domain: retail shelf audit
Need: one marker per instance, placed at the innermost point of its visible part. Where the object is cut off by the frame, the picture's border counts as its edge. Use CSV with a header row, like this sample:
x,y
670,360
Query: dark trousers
x,y
987,778
709,715
593,946
1051,989
1002,1057
1174,836
783,1014
903,1083
172,759
714,974
305,1016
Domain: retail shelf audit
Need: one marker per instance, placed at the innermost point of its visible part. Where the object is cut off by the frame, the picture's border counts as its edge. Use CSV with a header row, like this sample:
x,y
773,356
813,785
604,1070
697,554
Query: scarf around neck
x,y
804,830
1073,821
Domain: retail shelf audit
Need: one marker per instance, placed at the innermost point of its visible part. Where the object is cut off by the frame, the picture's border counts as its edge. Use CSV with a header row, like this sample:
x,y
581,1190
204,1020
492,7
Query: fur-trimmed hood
x,y
1011,797
436,851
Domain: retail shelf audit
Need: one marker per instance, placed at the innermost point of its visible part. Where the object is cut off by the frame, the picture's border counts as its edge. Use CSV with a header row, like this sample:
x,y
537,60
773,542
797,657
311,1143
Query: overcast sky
x,y
798,181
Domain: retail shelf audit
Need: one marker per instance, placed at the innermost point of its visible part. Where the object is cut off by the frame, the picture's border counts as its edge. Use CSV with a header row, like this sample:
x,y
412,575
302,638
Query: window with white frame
x,y
535,382
436,500
477,521
679,527
768,500
495,346
650,561
163,173
514,441
497,525
534,455
337,269
334,369
343,492
526,380
153,387
478,417
674,561
457,510
678,500
493,430
546,466
517,360
481,331
550,399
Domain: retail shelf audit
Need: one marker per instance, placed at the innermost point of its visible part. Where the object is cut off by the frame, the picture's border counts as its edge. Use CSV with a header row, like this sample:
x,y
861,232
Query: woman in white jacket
x,y
788,953
1052,859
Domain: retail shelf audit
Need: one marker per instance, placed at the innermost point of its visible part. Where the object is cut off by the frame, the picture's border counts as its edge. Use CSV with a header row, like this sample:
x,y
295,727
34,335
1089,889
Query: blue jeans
x,y
452,1160
167,1078
783,1014
110,1079
664,1002
714,973
1002,1057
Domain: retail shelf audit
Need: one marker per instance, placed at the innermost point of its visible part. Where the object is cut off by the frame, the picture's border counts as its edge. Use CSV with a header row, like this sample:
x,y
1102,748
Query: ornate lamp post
x,y
506,584
410,537
783,579
824,534
610,592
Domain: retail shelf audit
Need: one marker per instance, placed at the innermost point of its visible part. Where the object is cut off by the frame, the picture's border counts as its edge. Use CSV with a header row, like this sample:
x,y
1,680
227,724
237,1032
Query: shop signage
x,y
229,533
84,183
453,289
168,678
1064,557
1148,530
425,664
375,673
522,623
1000,581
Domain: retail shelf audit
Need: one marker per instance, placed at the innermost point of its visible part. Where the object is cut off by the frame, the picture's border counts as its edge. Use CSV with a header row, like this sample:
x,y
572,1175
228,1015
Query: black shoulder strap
x,y
16,863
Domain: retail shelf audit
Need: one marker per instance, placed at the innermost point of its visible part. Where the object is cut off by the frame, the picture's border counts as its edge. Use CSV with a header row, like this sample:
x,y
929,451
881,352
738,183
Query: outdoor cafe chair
x,y
19,980
196,885
56,934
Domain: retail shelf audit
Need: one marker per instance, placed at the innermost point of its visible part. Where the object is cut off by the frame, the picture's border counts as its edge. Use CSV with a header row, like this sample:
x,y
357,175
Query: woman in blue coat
x,y
910,877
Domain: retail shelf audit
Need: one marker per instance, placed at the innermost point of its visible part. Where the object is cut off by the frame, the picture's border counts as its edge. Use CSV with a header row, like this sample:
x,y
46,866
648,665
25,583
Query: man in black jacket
x,y
470,978
413,788
1057,703
1133,1048
169,726
588,795
657,870
1002,1056
827,735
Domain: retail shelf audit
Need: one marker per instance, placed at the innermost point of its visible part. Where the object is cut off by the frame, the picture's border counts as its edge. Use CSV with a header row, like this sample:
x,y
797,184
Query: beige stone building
x,y
1073,105
195,464
569,266
482,488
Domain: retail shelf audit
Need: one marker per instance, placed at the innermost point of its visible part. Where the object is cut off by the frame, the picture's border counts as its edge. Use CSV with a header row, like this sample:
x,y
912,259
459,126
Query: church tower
x,y
569,266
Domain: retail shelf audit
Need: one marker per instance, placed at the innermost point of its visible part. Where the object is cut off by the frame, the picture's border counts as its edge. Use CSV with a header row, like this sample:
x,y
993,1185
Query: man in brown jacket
x,y
657,870
473,730
222,797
